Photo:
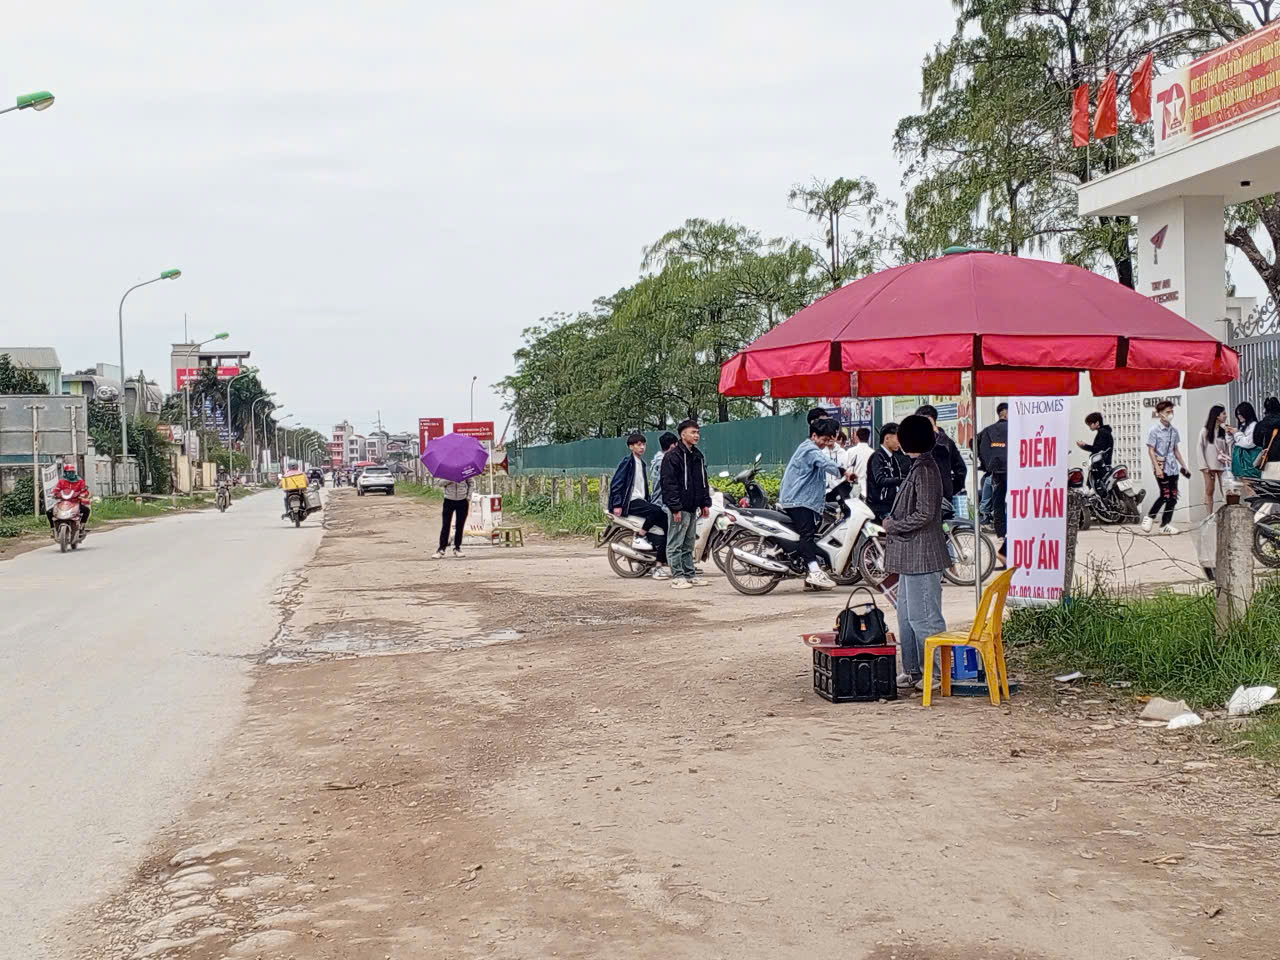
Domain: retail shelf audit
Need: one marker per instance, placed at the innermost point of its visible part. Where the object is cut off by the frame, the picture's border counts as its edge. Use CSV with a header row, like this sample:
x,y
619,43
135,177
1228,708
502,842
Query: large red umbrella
x,y
1024,327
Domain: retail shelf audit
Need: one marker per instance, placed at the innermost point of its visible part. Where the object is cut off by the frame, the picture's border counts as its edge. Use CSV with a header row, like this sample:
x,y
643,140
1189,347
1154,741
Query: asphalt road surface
x,y
123,666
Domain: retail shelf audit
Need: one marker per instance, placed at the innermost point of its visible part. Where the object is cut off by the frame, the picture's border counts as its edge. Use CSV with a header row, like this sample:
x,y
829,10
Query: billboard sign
x,y
1228,86
185,375
480,429
428,429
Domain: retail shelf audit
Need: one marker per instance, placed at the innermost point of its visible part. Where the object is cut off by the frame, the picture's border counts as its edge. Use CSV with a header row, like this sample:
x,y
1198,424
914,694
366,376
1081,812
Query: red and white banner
x,y
428,429
1232,84
1037,498
480,429
185,375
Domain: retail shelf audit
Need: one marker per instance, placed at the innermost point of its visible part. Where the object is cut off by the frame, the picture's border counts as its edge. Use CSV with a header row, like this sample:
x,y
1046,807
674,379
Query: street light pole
x,y
253,434
473,397
186,390
124,421
40,100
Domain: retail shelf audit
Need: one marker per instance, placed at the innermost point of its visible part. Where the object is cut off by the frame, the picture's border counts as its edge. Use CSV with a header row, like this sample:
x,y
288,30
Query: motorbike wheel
x,y
1086,516
1128,509
851,575
297,518
965,545
64,537
720,550
626,567
746,578
1266,549
870,559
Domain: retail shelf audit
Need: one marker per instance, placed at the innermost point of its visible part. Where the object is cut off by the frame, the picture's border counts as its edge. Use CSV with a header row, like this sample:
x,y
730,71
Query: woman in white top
x,y
1244,450
1215,451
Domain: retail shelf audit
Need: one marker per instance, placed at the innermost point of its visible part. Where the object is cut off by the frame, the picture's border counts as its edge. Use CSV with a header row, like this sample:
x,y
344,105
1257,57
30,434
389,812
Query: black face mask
x,y
71,477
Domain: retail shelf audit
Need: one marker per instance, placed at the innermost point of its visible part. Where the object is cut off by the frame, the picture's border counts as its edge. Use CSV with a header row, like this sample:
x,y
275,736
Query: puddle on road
x,y
346,644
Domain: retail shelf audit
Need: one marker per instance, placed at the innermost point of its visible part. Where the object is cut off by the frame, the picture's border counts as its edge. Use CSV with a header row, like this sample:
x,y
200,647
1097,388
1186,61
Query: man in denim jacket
x,y
804,490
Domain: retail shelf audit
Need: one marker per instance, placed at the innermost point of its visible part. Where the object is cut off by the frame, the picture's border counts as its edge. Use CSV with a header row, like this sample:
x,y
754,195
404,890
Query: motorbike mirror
x,y
757,459
724,473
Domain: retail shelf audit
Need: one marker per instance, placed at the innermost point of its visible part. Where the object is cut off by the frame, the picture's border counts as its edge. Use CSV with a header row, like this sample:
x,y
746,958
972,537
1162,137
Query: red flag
x,y
1140,92
1080,116
1104,119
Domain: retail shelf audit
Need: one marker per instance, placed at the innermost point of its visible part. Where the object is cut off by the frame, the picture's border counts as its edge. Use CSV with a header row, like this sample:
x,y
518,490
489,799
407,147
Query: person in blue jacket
x,y
804,490
629,494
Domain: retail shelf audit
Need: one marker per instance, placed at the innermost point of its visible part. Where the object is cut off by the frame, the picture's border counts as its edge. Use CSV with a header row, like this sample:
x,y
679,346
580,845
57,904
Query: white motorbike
x,y
632,563
763,553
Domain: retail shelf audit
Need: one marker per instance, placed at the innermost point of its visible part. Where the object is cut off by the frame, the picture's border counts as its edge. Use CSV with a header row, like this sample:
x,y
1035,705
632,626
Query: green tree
x,y
15,379
990,158
851,215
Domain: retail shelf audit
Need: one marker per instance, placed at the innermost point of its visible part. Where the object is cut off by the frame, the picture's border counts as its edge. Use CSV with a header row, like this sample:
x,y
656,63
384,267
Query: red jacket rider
x,y
70,480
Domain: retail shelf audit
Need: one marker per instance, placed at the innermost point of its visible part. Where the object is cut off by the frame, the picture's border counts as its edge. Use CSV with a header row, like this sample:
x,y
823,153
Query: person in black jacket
x,y
1103,443
686,493
629,495
993,457
1266,435
886,469
950,463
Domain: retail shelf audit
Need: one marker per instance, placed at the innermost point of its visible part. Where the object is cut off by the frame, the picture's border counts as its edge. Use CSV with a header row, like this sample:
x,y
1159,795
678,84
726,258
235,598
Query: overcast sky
x,y
376,198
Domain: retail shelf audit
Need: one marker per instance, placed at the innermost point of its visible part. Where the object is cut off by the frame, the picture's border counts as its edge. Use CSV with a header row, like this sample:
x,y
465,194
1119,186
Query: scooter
x,y
766,555
300,503
631,563
1266,521
755,497
223,498
1114,500
67,528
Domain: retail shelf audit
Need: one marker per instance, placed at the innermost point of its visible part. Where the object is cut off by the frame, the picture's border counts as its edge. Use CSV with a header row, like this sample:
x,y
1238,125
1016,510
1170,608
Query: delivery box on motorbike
x,y
293,481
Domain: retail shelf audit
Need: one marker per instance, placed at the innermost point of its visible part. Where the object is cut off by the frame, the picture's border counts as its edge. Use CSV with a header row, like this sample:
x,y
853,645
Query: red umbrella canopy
x,y
1026,327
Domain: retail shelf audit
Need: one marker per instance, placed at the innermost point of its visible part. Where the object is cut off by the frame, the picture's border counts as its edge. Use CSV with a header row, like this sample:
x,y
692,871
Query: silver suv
x,y
376,478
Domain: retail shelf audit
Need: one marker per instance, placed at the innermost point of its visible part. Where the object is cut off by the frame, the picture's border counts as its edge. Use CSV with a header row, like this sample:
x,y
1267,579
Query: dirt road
x,y
569,765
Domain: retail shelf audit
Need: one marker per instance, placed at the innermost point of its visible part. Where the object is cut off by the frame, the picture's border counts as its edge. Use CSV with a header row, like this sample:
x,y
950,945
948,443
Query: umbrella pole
x,y
974,500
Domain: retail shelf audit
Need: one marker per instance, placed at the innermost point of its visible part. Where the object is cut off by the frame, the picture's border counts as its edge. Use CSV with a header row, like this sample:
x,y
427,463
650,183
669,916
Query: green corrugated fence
x,y
727,446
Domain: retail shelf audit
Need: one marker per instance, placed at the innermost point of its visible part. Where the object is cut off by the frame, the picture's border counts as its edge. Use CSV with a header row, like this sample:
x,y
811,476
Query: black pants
x,y
652,515
805,522
999,507
1168,498
454,508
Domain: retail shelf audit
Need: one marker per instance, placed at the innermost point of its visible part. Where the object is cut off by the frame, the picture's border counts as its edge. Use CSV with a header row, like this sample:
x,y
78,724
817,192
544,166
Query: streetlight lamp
x,y
186,385
253,434
473,397
124,422
40,100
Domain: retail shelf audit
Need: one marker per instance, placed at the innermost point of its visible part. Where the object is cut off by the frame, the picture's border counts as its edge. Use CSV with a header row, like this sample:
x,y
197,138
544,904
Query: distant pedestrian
x,y
1267,436
1243,450
665,443
859,456
916,548
1103,446
686,493
1215,451
887,468
801,497
951,464
993,456
1166,463
457,501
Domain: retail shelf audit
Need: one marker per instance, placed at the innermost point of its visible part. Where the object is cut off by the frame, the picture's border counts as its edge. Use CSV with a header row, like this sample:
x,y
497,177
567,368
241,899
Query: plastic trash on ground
x,y
1248,700
1187,719
1068,677
1161,709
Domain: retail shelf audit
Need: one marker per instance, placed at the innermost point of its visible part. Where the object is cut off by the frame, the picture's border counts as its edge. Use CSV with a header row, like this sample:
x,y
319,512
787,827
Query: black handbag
x,y
861,625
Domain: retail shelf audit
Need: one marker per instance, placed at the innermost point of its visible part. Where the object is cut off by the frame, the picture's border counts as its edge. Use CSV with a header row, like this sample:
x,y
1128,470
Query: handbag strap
x,y
865,590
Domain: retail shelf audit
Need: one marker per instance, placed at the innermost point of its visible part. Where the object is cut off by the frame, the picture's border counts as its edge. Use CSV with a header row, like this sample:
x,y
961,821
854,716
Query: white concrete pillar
x,y
1181,265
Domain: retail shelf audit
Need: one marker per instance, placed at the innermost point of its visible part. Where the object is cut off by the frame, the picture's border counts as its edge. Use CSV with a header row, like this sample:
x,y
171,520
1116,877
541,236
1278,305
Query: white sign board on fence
x,y
49,480
1037,499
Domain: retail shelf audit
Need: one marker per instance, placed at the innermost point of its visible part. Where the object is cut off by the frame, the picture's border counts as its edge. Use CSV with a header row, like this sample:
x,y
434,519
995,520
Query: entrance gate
x,y
1257,339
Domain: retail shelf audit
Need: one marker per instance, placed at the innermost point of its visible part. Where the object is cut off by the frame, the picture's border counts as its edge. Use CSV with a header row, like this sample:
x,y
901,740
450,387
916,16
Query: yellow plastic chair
x,y
985,636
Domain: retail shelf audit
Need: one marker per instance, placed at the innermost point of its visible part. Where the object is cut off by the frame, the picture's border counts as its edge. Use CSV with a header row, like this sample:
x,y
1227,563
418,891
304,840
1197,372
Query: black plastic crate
x,y
852,674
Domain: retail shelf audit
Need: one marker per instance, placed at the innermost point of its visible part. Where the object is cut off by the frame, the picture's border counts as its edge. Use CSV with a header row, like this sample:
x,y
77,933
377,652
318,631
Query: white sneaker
x,y
819,579
662,573
919,685
699,582
904,680
438,555
1146,524
1169,529
681,584
457,552
640,543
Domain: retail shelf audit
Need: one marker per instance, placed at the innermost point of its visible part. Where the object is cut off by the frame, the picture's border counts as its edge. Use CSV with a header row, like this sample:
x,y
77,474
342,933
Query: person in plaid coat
x,y
916,549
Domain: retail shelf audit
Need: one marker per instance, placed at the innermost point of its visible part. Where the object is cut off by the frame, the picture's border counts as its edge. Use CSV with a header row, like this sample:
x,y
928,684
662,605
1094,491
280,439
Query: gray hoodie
x,y
458,491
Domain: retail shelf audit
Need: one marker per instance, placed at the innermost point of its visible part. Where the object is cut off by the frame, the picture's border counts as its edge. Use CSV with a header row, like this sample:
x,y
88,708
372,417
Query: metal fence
x,y
727,446
1257,339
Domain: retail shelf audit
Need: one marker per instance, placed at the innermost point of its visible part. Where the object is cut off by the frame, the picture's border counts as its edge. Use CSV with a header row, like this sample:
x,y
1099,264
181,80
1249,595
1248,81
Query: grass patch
x,y
1165,645
571,517
120,508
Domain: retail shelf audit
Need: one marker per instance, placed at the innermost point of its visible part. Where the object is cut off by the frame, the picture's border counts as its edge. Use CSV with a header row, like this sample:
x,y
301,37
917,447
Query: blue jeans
x,y
680,542
919,617
988,487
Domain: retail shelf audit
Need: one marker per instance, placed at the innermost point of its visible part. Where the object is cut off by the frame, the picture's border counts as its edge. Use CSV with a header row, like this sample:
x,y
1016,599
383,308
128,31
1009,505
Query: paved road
x,y
122,669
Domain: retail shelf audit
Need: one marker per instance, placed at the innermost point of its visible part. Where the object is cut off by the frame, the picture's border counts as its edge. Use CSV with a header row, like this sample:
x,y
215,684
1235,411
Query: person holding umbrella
x,y
455,458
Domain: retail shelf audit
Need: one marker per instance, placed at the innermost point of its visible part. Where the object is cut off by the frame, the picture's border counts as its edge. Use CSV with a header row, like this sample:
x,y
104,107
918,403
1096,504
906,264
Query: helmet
x,y
69,472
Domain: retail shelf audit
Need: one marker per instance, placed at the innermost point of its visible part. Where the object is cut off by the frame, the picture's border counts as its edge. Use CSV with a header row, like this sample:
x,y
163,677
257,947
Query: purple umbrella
x,y
455,457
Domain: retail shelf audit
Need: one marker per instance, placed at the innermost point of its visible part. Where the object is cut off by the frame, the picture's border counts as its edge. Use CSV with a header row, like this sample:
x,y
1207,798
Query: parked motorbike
x,y
1114,500
754,497
962,547
765,554
1266,521
630,563
67,528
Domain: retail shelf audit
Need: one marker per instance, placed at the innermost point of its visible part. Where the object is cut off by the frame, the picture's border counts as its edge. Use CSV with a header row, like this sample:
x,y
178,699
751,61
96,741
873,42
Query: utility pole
x,y
36,483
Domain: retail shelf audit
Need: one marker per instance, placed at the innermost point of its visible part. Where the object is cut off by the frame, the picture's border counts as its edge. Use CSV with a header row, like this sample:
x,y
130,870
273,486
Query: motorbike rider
x,y
804,490
70,480
1103,443
224,483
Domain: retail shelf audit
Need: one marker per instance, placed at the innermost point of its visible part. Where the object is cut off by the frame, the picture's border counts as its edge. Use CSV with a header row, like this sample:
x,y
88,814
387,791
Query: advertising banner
x,y
1232,84
185,375
48,480
480,429
428,429
1037,499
